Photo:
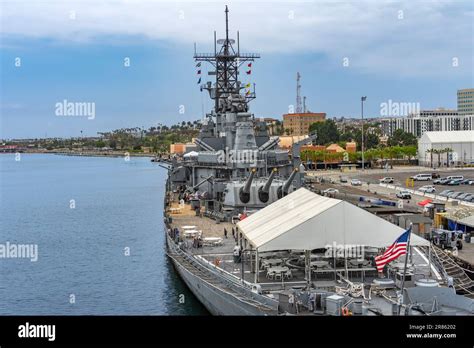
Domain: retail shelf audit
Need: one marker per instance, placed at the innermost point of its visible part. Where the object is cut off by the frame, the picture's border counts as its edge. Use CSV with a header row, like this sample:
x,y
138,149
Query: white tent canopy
x,y
304,220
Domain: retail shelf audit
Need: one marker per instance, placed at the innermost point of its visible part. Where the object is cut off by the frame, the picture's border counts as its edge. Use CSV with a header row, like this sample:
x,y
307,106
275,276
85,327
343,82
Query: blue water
x,y
82,251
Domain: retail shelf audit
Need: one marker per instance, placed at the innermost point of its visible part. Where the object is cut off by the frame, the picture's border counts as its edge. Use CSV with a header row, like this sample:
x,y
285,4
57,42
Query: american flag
x,y
398,248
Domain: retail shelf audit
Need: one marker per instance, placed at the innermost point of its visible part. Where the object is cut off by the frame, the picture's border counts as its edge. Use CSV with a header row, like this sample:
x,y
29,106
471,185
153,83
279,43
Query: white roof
x,y
450,137
468,221
304,220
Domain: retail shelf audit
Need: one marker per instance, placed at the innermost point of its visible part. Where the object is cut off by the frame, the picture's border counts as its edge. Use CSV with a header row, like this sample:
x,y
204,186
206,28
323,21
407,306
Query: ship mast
x,y
226,63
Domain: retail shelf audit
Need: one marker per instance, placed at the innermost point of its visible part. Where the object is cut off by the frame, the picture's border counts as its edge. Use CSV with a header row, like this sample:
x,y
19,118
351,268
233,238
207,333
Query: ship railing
x,y
239,285
221,272
235,282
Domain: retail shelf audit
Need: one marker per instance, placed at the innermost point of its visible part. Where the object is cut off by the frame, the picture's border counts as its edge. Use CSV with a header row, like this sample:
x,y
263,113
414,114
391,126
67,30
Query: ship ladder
x,y
462,283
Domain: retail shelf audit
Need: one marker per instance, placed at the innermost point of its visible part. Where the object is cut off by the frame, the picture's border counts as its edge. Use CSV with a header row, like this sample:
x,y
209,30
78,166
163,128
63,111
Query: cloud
x,y
402,38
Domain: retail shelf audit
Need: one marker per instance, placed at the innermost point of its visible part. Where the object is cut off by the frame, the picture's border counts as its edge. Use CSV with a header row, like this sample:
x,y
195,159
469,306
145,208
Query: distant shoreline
x,y
86,153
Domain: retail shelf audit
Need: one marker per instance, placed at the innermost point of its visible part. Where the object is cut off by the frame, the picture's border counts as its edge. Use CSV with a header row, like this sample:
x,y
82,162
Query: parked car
x,y
435,175
444,181
445,193
330,191
422,177
343,179
455,177
466,182
469,198
387,180
427,189
438,181
454,195
455,182
356,182
404,195
463,196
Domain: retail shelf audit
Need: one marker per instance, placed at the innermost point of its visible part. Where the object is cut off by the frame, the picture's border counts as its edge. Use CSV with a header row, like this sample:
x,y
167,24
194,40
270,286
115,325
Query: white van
x,y
422,177
455,177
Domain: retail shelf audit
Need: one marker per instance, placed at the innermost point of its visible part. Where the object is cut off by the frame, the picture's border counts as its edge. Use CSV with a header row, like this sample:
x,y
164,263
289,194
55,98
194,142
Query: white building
x,y
460,143
428,121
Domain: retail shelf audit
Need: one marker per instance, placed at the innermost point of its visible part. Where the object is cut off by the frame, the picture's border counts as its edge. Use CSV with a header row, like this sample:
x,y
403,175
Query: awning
x,y
304,220
467,221
425,202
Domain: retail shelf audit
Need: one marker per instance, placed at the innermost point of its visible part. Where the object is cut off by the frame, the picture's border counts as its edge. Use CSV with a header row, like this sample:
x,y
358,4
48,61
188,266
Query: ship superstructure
x,y
237,164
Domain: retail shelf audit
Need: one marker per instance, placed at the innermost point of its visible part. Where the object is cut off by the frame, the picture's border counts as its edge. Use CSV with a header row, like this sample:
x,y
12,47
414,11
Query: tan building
x,y
177,148
298,123
180,148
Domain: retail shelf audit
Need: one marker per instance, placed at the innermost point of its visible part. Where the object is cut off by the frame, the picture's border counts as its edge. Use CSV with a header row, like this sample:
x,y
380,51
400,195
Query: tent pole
x,y
242,265
257,266
307,259
251,260
345,263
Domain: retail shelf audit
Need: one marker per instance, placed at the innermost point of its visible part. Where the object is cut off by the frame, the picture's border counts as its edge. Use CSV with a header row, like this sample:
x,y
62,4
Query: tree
x,y
402,138
371,141
409,151
100,143
437,152
326,131
447,150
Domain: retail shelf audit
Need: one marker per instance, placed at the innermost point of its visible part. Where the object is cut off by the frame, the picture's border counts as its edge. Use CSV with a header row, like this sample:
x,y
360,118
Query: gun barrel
x,y
288,182
248,183
266,188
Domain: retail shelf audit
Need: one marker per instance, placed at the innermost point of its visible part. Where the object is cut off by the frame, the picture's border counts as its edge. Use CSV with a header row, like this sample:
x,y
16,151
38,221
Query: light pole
x,y
362,100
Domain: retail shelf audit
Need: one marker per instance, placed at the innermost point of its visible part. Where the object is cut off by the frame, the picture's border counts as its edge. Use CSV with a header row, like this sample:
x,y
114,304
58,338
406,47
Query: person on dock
x,y
233,233
225,233
236,253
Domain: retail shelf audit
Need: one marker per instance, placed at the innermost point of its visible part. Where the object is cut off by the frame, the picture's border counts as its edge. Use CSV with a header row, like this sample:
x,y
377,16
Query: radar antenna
x,y
298,94
226,89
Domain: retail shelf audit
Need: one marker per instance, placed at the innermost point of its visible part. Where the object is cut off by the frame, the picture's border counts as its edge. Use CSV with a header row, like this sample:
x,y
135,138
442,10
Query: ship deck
x,y
222,256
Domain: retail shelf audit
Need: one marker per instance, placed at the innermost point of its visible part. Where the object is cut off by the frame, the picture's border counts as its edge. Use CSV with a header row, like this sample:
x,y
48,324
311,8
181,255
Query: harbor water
x,y
97,224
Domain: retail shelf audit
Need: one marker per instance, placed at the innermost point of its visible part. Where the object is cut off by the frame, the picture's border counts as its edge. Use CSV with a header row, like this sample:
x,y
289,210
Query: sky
x,y
414,51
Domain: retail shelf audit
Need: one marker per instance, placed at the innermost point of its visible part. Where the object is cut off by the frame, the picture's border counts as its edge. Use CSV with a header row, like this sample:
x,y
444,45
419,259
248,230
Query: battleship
x,y
249,237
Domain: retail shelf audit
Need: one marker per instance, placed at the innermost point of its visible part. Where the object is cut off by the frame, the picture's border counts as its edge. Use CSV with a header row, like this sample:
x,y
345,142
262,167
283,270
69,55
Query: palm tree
x,y
447,150
430,151
438,152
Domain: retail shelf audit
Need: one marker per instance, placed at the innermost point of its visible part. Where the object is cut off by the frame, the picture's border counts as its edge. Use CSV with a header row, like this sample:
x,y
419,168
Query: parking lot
x,y
400,179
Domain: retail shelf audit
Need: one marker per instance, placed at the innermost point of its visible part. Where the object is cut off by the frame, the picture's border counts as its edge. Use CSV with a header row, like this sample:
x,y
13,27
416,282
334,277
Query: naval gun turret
x,y
264,191
283,190
244,192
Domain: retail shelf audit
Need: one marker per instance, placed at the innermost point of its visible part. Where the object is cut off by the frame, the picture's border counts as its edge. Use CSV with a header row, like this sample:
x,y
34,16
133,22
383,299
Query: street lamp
x,y
362,100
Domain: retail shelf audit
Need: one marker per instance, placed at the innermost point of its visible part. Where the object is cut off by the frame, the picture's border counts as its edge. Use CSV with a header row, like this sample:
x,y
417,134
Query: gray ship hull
x,y
217,297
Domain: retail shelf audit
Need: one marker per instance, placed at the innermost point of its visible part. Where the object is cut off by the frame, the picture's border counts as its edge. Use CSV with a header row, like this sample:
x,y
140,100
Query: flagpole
x,y
405,267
